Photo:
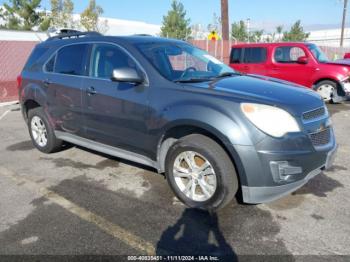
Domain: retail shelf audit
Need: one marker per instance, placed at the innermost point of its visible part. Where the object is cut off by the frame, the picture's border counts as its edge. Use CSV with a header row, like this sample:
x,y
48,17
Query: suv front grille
x,y
314,114
321,138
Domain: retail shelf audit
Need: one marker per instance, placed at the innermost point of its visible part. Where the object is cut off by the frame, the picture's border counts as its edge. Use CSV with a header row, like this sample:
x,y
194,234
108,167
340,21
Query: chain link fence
x,y
221,49
13,55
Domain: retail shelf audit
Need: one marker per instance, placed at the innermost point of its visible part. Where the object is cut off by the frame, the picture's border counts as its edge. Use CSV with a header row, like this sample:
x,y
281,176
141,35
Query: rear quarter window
x,y
255,55
34,58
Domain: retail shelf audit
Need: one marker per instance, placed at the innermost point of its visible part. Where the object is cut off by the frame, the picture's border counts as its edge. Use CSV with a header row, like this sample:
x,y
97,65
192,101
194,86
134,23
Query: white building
x,y
127,27
329,37
114,27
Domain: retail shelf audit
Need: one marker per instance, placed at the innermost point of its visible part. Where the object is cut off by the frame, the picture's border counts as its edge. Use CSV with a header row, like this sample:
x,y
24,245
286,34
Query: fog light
x,y
283,171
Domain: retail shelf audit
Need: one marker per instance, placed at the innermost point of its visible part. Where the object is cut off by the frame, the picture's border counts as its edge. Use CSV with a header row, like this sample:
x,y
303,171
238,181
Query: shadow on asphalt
x,y
172,229
197,232
175,229
21,146
319,186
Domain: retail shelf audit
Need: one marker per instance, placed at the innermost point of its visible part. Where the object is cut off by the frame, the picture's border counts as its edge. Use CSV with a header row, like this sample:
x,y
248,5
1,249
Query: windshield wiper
x,y
191,80
228,74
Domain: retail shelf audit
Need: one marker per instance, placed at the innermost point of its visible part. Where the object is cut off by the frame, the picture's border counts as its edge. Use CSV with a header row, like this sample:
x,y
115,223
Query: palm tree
x,y
279,30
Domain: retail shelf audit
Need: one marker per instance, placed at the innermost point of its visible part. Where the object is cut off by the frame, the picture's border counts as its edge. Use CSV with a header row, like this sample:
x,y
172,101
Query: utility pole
x,y
343,23
248,29
224,20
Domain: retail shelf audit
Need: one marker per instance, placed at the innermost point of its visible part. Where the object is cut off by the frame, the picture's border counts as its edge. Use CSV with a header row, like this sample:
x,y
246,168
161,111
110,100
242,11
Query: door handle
x,y
91,91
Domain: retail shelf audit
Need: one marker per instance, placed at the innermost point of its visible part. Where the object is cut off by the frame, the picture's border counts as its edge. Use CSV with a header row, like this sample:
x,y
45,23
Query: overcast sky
x,y
264,14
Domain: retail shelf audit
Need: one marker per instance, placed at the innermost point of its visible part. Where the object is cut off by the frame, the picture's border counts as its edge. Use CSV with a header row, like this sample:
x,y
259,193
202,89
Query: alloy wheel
x,y
326,91
39,131
194,176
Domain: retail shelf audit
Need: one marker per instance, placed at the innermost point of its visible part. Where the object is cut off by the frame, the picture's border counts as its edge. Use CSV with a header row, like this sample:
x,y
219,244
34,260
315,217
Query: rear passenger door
x,y
115,112
64,74
254,60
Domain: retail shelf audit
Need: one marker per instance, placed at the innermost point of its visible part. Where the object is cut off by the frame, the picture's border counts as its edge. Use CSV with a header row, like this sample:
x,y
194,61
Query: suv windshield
x,y
318,53
181,62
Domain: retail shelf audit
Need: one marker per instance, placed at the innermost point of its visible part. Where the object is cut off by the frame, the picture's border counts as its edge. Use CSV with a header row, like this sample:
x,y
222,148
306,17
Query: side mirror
x,y
347,56
303,60
126,74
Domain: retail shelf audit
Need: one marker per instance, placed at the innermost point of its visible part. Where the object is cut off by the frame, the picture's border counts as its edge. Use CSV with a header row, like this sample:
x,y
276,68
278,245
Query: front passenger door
x,y
285,65
116,113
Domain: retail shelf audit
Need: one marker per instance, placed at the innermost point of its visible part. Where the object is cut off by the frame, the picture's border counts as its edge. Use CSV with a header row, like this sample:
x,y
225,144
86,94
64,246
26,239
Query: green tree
x,y
239,31
257,35
279,32
89,18
21,14
45,21
175,23
279,29
62,14
296,33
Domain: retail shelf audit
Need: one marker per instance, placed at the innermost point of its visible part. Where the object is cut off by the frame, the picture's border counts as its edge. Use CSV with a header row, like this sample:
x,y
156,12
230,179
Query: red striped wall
x,y
13,56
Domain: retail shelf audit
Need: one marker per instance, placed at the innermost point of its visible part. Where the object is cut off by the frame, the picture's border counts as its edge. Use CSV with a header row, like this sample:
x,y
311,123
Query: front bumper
x,y
294,157
267,194
346,87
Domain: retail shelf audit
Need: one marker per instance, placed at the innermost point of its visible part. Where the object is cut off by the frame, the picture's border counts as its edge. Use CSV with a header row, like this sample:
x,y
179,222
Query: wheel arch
x,y
340,91
326,79
28,105
182,129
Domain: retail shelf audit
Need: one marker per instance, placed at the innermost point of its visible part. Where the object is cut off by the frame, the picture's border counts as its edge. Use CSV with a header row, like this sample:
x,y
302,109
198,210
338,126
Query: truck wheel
x,y
41,133
200,173
327,89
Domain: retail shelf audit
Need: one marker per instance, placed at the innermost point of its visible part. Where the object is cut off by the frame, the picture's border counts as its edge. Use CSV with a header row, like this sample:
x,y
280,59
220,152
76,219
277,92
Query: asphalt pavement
x,y
79,202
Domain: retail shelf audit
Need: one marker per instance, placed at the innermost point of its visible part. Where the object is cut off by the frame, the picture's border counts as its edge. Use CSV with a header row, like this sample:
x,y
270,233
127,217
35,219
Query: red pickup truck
x,y
302,63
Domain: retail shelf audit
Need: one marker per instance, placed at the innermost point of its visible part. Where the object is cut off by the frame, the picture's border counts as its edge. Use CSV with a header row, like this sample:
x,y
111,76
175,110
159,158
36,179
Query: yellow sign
x,y
213,36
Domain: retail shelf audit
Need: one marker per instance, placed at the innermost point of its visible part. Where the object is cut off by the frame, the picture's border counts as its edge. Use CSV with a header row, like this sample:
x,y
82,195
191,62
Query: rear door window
x,y
236,55
71,60
254,55
288,54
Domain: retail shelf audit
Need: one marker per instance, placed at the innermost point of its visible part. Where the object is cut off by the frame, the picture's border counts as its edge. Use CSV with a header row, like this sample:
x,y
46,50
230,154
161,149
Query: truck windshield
x,y
318,53
182,62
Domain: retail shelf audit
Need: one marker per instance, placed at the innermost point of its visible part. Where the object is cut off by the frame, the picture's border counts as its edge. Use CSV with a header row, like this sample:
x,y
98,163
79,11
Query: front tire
x,y
41,132
200,173
327,90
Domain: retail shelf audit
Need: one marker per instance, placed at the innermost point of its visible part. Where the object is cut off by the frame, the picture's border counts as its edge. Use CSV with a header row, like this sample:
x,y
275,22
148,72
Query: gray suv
x,y
166,104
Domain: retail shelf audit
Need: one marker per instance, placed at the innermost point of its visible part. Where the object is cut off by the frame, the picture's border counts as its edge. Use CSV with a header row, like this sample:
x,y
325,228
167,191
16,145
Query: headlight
x,y
272,120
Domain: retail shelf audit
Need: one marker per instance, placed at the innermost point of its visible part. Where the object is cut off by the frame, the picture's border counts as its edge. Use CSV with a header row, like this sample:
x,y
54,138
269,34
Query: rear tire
x,y
41,132
213,187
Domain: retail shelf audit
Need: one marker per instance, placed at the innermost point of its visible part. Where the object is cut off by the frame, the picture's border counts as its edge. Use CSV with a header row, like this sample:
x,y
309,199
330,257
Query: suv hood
x,y
342,62
259,89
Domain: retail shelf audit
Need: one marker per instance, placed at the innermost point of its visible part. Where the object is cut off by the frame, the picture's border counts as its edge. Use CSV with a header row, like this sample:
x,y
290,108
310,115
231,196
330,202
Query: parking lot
x,y
81,202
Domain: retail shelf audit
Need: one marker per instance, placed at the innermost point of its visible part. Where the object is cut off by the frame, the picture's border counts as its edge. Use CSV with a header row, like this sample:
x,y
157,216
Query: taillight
x,y
19,81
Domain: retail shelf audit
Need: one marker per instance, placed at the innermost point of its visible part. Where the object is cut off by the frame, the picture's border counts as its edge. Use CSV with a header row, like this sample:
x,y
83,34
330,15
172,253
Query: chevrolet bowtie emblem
x,y
322,128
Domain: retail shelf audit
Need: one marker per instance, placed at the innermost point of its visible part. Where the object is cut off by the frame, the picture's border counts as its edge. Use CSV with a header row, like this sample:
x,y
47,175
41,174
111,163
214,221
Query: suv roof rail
x,y
142,35
68,33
